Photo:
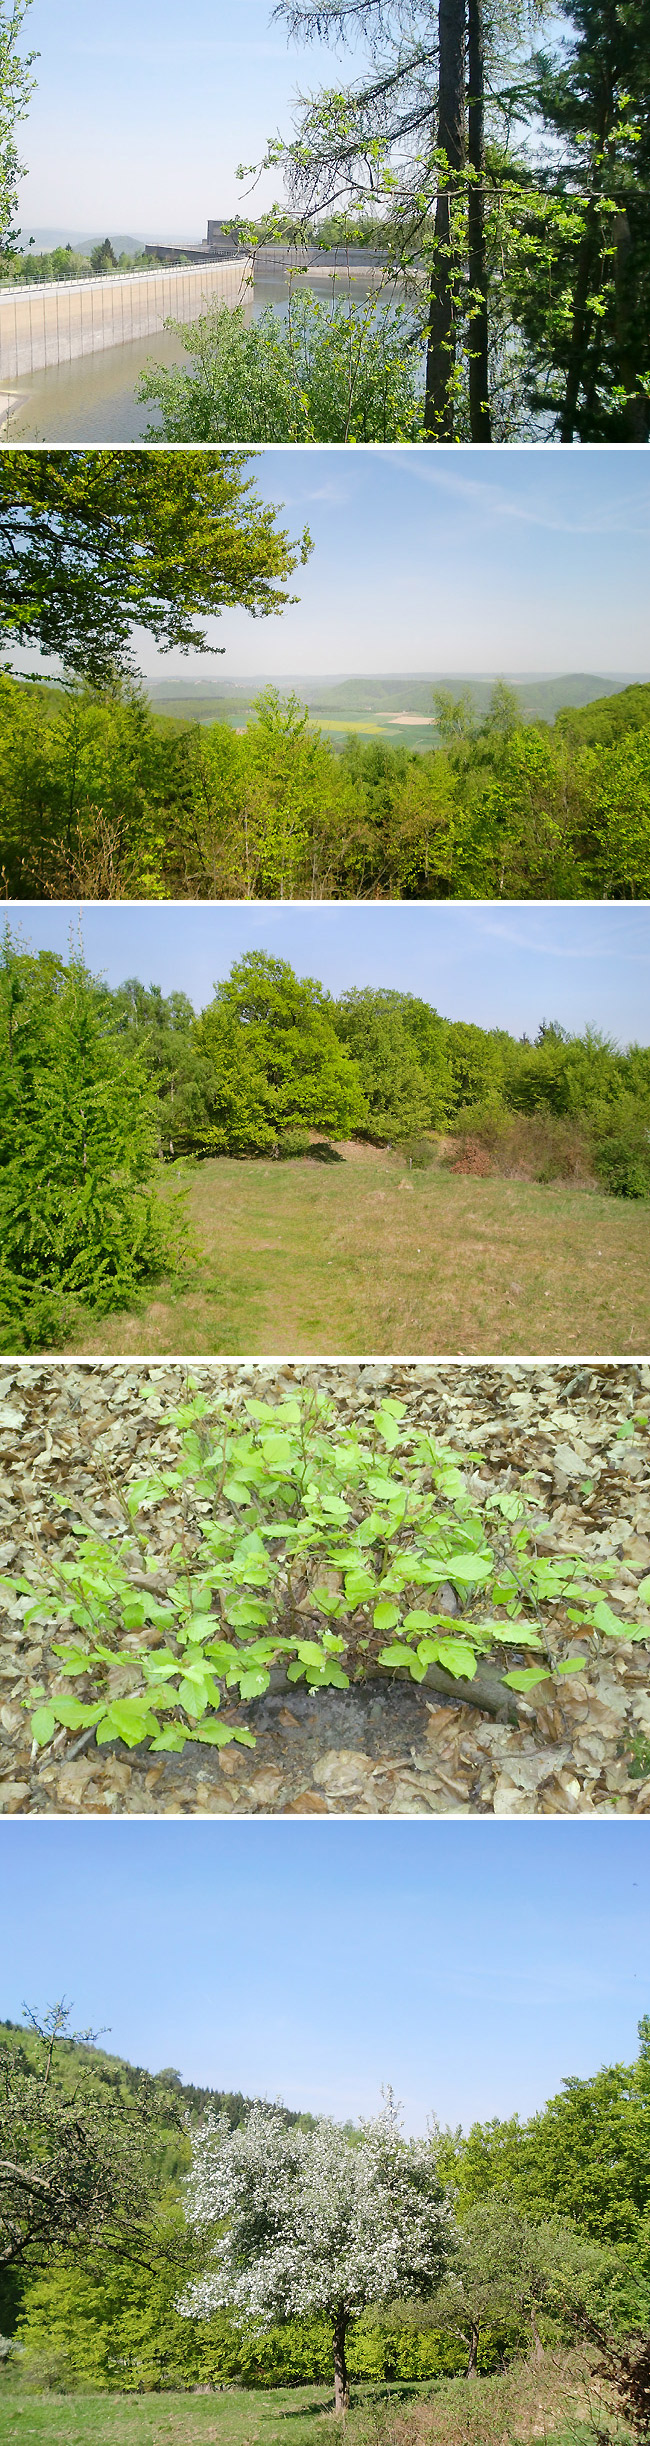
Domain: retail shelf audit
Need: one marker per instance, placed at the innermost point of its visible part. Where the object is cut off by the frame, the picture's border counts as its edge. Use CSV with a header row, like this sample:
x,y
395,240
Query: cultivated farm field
x,y
367,1255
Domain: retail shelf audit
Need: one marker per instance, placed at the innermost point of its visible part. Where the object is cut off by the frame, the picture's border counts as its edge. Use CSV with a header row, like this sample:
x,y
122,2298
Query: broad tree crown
x,y
318,2221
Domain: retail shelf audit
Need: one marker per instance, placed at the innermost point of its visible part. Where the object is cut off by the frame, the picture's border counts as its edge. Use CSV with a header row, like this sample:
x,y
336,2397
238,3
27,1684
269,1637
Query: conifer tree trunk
x,y
588,252
439,407
581,325
341,2380
479,407
636,413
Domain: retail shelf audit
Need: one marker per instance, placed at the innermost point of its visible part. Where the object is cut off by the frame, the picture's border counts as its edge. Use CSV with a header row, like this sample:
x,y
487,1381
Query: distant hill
x,y
399,709
607,717
391,706
81,241
78,2065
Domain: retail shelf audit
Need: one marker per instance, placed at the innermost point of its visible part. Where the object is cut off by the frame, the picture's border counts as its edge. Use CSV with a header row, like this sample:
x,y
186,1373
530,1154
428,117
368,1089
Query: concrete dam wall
x,y
60,320
314,259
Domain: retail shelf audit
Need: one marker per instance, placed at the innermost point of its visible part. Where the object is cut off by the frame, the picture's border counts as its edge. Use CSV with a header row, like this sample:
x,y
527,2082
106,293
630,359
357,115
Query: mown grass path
x,y
311,1260
283,2416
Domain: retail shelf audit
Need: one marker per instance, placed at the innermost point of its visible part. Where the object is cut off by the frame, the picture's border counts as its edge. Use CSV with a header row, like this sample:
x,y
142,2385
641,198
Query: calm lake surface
x,y
93,399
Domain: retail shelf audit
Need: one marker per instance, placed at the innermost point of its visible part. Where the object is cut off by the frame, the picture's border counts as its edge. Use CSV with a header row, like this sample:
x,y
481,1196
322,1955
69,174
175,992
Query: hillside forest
x,y
106,798
103,796
549,2234
100,1088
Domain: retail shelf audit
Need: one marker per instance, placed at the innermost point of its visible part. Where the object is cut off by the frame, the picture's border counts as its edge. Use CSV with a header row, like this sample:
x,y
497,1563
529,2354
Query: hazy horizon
x,y
514,679
141,123
419,556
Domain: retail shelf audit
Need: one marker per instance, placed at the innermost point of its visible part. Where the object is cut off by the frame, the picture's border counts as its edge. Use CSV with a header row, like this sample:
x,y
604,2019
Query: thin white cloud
x,y
546,943
626,517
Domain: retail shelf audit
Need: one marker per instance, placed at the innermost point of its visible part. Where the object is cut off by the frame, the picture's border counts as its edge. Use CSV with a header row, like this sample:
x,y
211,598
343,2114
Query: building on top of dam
x,y
219,246
222,245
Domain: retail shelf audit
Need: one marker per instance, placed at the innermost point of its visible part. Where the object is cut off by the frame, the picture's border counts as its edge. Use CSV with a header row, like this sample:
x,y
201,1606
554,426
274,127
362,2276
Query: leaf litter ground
x,y
383,1748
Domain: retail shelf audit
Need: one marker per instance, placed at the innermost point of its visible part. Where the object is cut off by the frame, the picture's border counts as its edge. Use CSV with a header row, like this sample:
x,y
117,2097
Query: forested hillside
x,y
562,2197
102,797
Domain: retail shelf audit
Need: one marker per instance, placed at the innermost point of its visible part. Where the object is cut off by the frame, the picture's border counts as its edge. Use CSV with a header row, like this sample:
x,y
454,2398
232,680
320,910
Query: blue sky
x,y
472,1966
142,115
515,561
521,561
501,965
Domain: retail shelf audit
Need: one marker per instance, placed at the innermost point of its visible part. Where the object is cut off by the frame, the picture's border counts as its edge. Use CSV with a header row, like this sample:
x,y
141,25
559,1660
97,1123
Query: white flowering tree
x,y
316,2223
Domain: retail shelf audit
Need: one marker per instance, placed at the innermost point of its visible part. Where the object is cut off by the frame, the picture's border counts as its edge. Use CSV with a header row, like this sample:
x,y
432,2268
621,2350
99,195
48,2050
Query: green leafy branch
x,y
320,1547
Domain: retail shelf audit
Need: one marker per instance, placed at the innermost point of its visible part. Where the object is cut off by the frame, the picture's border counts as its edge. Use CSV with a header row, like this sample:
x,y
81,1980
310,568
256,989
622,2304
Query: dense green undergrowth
x,y
79,1216
331,370
321,1550
100,797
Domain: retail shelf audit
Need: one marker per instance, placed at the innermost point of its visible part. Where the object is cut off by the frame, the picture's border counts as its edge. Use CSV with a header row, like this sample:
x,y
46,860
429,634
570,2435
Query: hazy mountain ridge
x,y
381,699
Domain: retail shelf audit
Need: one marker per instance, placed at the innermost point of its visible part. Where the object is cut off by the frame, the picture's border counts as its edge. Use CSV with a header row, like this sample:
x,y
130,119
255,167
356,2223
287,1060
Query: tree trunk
x,y
341,2380
538,2348
636,413
472,2365
588,252
479,409
439,406
581,325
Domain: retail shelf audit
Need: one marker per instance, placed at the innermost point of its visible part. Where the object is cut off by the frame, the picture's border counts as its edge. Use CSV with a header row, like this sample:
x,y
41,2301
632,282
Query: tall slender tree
x,y
409,135
16,85
477,253
586,311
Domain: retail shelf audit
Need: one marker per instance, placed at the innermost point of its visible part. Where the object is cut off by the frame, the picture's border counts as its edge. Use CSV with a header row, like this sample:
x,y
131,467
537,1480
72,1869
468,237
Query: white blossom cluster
x,y
315,2222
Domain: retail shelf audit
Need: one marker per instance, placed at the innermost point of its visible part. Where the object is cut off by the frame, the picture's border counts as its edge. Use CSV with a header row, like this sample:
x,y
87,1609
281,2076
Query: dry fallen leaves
x,y
384,1749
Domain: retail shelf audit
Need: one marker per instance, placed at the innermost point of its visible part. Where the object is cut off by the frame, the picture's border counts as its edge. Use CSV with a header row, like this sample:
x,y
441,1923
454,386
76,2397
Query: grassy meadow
x,y
236,2418
550,2400
367,1255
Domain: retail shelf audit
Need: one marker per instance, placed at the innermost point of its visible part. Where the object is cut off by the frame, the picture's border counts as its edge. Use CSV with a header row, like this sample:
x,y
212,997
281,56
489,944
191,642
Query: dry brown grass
x,y
525,1147
301,1259
553,2398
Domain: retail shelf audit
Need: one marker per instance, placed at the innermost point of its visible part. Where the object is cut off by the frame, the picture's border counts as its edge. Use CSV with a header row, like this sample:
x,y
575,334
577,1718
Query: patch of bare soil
x,y
386,1747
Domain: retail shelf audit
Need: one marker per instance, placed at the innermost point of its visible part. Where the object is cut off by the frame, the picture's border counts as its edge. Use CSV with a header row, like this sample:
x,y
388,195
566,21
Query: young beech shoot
x,y
302,1542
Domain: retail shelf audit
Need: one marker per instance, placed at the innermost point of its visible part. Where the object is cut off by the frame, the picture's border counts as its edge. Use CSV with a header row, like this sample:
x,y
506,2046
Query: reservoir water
x,y
93,398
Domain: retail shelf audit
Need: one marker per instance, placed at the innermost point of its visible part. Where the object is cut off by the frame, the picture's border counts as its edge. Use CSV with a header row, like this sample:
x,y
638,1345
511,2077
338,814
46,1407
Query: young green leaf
x,y
609,1623
525,1678
455,1654
43,1725
127,1720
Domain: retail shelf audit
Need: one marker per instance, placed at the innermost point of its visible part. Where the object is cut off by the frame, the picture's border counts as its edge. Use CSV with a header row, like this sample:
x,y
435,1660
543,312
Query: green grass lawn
x,y
310,1260
283,2416
286,2416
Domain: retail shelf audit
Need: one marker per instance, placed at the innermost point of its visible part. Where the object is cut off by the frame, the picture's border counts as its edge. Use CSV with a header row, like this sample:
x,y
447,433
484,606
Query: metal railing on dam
x,y
52,322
